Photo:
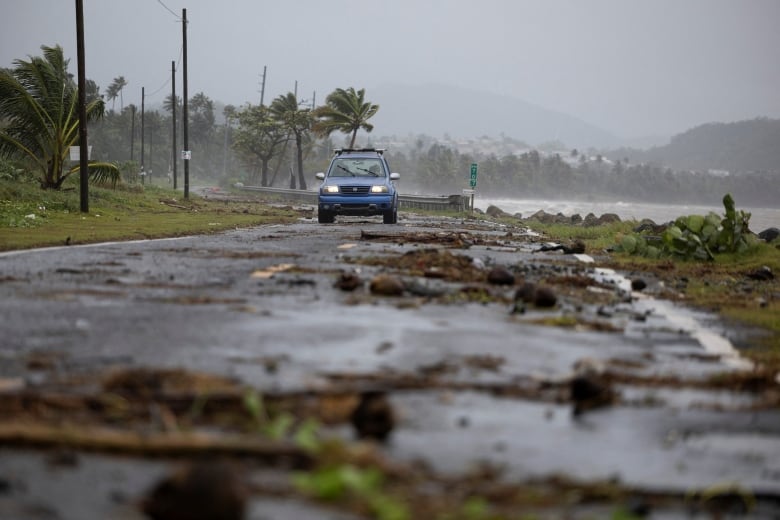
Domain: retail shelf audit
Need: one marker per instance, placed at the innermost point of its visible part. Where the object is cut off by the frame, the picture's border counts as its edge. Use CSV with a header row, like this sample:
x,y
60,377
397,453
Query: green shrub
x,y
696,237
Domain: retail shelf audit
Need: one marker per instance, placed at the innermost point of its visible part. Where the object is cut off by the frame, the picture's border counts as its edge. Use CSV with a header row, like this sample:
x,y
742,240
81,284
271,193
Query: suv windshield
x,y
354,167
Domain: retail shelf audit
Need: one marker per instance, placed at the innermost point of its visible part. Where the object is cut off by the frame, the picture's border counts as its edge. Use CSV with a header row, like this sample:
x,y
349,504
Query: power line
x,y
178,18
167,81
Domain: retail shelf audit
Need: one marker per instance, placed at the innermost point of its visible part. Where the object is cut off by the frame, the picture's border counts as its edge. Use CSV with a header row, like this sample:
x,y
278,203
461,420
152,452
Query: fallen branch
x,y
277,453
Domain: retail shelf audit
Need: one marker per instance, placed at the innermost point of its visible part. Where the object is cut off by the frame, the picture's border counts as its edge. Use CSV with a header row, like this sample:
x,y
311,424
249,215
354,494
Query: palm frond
x,y
101,173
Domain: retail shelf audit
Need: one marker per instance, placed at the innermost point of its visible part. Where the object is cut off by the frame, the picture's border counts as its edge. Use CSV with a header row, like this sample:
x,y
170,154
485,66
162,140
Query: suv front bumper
x,y
352,205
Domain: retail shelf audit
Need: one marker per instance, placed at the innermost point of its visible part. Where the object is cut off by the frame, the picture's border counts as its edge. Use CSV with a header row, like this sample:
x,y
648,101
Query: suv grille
x,y
354,190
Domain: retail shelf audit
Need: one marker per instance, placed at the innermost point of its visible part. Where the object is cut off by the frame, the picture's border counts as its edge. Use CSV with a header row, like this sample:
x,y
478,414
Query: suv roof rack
x,y
339,151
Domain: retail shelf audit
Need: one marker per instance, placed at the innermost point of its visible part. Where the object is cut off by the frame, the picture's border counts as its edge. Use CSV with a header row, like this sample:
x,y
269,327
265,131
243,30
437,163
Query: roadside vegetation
x,y
734,277
31,217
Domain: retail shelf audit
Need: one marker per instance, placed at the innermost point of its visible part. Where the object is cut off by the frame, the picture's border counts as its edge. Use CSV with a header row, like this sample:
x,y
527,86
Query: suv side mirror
x,y
320,176
394,176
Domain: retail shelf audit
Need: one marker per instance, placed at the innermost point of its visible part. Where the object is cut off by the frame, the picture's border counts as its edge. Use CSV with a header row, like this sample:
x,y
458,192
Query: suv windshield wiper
x,y
368,171
346,170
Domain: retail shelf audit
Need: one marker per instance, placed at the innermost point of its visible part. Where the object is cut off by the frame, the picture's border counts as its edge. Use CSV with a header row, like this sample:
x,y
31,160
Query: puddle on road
x,y
685,320
646,447
74,486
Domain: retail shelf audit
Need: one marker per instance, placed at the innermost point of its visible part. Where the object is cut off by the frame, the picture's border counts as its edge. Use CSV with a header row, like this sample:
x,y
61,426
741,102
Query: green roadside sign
x,y
473,175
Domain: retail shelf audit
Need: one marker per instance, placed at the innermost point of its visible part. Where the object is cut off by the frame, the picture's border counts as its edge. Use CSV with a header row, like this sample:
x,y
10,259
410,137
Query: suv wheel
x,y
390,217
325,217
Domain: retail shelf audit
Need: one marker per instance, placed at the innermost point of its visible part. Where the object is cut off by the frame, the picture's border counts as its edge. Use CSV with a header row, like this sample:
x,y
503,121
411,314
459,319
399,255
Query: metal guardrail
x,y
444,202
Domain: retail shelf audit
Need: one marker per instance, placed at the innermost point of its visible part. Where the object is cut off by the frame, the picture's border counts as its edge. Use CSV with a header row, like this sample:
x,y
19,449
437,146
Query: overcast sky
x,y
633,67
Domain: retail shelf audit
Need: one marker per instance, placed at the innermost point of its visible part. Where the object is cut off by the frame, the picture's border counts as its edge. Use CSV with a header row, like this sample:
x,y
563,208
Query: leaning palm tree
x,y
297,121
118,85
112,92
39,104
345,111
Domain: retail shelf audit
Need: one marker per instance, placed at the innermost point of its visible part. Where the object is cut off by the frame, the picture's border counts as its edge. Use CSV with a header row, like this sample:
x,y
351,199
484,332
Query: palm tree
x,y
39,102
112,92
119,84
297,121
345,111
170,103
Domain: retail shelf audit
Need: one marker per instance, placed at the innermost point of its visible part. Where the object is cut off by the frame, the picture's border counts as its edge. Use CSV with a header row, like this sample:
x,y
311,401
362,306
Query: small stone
x,y
386,285
588,392
203,490
373,418
763,273
501,276
526,293
348,282
545,297
638,284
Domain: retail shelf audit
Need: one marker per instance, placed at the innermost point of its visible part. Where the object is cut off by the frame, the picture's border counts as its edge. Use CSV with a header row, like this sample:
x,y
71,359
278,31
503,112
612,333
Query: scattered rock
x,y
590,391
204,490
526,293
545,297
590,220
763,273
608,218
576,248
495,212
348,281
373,418
543,217
387,285
501,276
769,234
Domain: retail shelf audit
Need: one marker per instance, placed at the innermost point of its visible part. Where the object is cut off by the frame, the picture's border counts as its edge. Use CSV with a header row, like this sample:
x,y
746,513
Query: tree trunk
x,y
264,173
299,148
354,135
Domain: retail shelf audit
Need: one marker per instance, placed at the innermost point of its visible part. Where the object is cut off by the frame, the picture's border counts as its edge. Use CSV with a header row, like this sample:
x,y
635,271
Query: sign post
x,y
473,183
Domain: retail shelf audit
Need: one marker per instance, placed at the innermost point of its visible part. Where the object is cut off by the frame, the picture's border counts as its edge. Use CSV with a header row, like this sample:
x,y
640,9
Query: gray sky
x,y
633,67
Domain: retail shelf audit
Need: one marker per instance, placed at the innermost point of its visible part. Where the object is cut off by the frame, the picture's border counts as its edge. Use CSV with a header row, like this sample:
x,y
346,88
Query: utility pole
x,y
151,149
224,149
173,118
313,97
83,150
132,131
262,87
143,99
295,93
186,114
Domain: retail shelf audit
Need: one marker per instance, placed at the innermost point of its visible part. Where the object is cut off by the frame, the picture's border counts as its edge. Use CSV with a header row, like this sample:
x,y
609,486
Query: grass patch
x,y
31,217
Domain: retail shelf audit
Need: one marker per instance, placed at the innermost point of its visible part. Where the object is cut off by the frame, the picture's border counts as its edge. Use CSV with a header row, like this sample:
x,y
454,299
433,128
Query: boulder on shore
x,y
769,234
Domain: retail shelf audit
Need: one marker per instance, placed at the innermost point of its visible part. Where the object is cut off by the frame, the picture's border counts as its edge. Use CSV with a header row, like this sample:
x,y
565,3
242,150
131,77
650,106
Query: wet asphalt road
x,y
229,303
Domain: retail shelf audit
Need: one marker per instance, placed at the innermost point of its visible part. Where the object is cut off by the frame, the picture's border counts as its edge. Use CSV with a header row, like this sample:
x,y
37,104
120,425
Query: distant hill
x,y
744,146
436,110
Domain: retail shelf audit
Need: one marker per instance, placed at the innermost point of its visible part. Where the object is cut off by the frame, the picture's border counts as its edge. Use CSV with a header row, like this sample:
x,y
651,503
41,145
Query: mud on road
x,y
474,370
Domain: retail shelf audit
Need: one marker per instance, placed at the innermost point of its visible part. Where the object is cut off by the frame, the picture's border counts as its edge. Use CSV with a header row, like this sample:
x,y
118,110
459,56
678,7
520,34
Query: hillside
x,y
436,110
743,146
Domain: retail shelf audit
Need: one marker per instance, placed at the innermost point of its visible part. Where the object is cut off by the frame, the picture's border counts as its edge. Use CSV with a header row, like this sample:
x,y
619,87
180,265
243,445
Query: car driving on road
x,y
358,182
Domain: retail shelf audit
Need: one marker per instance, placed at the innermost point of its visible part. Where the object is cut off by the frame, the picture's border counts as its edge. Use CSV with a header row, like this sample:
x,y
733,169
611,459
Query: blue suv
x,y
358,182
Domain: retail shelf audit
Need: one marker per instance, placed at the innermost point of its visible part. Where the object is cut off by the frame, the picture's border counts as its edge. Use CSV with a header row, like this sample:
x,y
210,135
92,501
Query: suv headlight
x,y
380,188
330,189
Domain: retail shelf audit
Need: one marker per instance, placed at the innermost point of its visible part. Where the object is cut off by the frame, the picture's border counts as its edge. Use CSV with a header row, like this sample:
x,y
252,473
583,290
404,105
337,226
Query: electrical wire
x,y
168,81
169,10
